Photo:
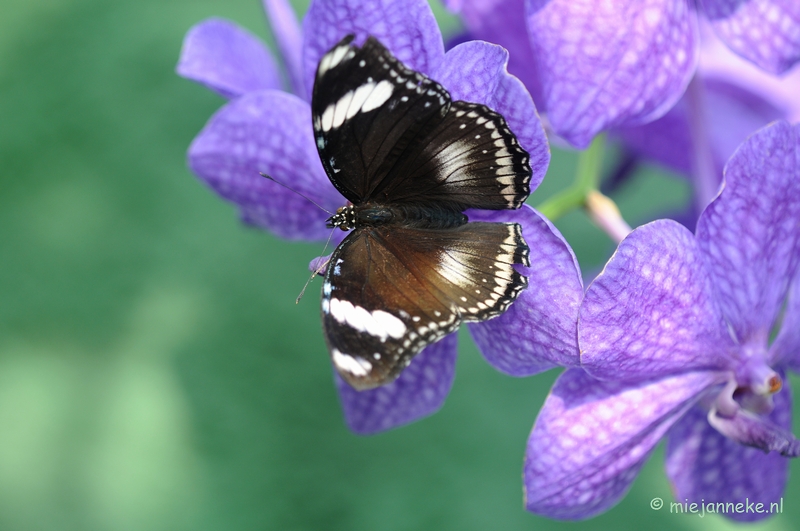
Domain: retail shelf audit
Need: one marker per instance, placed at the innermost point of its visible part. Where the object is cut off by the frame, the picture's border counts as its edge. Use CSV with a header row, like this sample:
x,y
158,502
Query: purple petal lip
x,y
705,465
751,430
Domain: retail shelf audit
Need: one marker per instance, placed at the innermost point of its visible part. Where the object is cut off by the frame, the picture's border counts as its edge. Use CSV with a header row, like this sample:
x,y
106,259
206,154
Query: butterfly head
x,y
345,218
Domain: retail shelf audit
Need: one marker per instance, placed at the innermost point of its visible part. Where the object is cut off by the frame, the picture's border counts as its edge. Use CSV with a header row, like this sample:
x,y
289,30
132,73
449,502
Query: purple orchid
x,y
728,99
264,129
597,66
675,337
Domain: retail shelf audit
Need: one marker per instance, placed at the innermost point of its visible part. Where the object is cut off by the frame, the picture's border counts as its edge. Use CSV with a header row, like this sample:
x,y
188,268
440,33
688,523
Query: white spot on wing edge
x,y
377,323
347,363
359,97
390,324
327,118
332,58
381,93
342,106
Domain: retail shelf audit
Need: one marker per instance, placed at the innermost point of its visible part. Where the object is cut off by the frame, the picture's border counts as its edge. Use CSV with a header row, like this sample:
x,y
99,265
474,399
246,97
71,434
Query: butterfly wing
x,y
389,292
385,132
367,108
471,159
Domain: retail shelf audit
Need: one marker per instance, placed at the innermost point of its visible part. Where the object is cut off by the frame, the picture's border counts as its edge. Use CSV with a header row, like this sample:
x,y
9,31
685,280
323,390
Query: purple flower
x,y
593,66
728,99
675,339
264,129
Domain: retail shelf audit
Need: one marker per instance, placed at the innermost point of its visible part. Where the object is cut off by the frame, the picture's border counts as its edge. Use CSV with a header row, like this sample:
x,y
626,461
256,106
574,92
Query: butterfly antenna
x,y
318,271
273,179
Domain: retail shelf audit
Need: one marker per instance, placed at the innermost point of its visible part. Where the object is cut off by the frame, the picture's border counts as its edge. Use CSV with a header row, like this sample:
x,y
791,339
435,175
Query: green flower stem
x,y
587,179
584,194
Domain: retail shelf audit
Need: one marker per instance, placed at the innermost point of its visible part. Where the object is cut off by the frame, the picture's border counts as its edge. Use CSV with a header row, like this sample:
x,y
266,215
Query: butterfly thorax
x,y
417,216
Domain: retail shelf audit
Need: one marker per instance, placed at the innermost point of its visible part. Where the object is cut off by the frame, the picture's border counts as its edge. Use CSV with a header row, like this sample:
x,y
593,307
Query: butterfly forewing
x,y
472,159
389,292
367,109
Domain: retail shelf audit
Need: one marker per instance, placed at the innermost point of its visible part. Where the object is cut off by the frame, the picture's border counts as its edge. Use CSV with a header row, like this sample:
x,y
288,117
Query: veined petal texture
x,y
592,438
611,63
270,132
766,32
653,310
750,233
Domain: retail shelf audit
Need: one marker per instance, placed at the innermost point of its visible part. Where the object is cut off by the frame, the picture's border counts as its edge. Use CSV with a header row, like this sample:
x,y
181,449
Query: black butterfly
x,y
411,160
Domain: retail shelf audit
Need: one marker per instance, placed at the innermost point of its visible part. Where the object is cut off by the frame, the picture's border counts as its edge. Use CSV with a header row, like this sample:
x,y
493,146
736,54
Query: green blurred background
x,y
155,372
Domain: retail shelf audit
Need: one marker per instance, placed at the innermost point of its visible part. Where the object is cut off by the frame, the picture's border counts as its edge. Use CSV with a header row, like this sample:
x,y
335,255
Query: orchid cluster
x,y
686,334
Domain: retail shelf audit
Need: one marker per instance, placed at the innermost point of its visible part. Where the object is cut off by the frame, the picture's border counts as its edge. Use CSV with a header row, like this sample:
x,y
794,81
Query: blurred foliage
x,y
155,372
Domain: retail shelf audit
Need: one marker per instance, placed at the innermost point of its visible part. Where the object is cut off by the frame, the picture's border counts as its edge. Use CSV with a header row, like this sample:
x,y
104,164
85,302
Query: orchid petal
x,y
476,71
289,37
406,27
718,62
227,59
732,113
419,391
750,234
503,22
766,32
592,438
751,430
270,132
706,466
652,311
319,265
539,330
610,64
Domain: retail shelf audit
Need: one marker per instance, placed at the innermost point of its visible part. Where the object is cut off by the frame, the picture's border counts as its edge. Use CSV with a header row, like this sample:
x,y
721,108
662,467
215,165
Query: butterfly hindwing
x,y
367,109
389,292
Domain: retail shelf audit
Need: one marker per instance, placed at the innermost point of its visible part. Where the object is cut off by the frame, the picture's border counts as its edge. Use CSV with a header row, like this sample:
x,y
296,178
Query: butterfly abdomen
x,y
422,217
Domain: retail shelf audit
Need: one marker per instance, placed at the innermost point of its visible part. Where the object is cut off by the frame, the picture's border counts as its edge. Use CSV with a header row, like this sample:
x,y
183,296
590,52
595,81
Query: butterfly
x,y
410,161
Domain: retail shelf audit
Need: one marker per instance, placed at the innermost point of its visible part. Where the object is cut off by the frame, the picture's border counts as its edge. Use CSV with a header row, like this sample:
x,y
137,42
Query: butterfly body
x,y
376,215
410,162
